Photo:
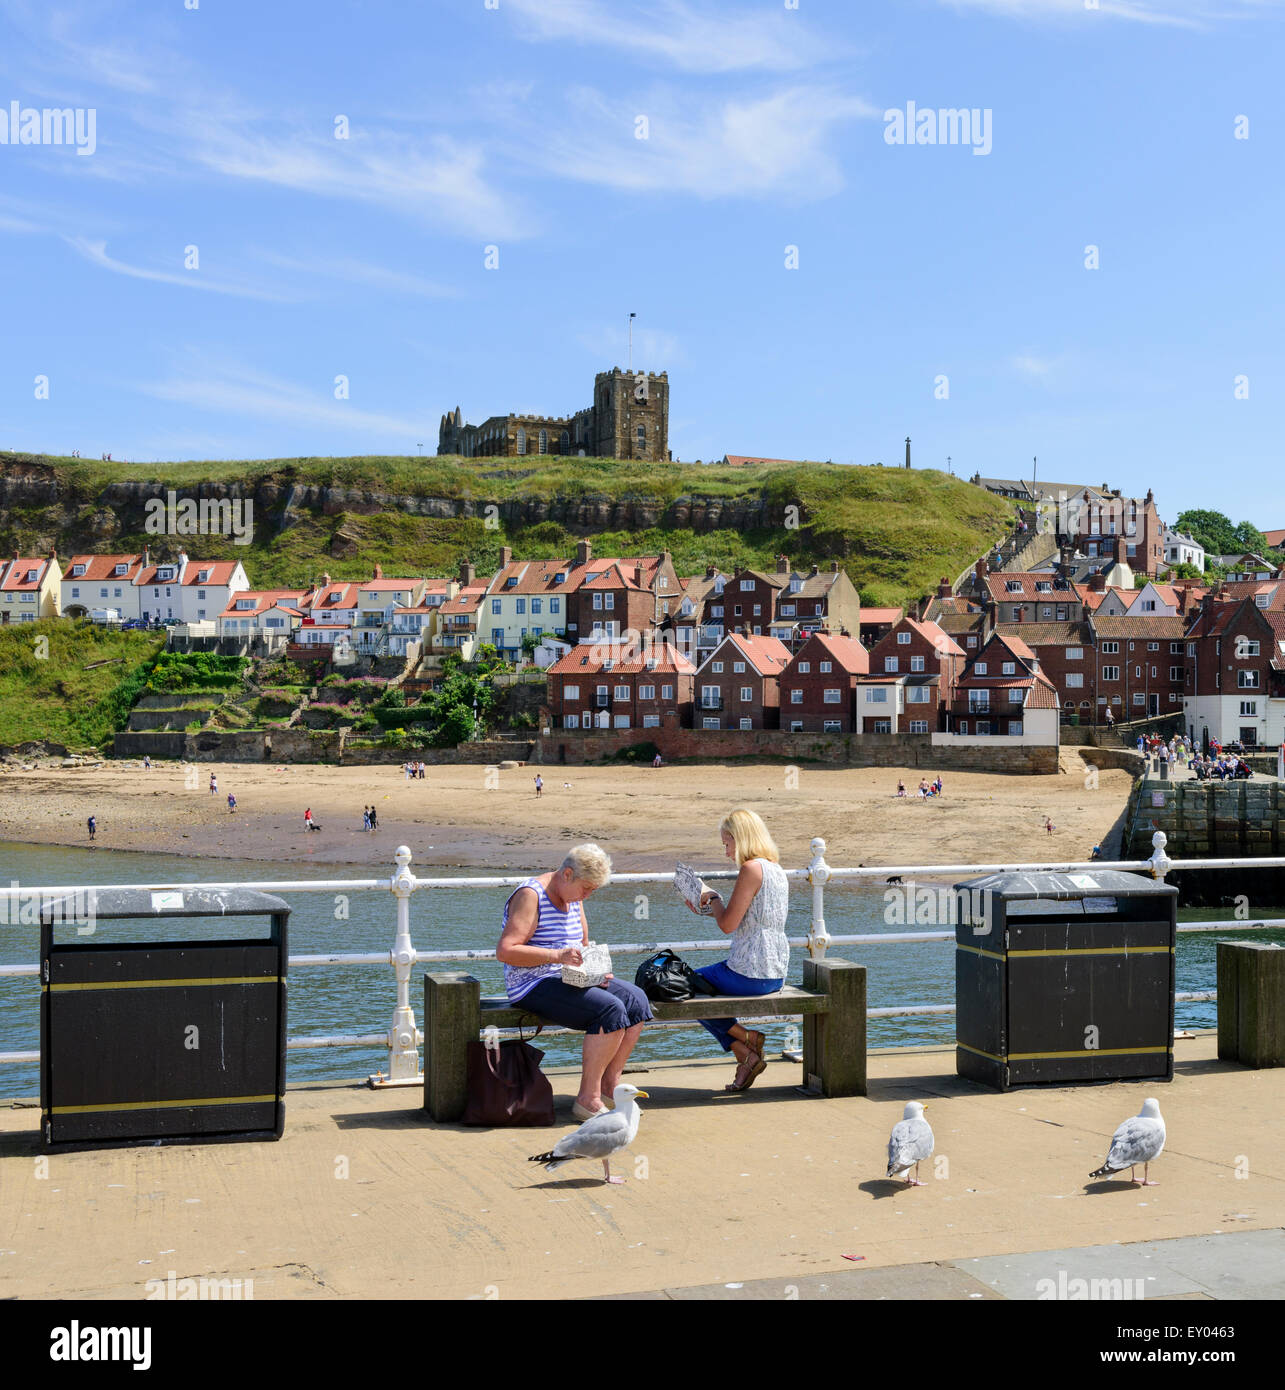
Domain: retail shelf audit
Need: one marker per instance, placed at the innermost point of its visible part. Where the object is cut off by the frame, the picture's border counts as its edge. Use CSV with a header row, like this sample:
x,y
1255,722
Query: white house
x,y
1151,601
262,612
207,587
377,599
551,650
101,581
159,589
1183,550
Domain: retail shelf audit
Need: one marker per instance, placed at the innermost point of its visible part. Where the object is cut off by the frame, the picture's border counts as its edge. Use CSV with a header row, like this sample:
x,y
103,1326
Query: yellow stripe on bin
x,y
1063,1056
977,1052
1098,951
172,984
158,1104
977,951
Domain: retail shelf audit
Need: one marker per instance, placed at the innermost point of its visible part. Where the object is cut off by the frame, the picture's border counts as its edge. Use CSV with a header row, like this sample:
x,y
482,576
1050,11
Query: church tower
x,y
631,415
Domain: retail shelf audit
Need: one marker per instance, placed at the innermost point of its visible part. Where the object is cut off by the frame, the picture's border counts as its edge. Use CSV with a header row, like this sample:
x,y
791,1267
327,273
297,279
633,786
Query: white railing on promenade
x,y
403,1038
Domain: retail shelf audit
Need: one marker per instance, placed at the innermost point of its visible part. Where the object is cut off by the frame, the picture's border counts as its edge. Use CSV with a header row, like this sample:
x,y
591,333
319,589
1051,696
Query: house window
x,y
916,663
1153,646
805,668
1075,653
889,663
918,695
537,606
747,585
918,726
1244,647
796,726
708,723
980,668
1014,726
651,721
883,726
646,692
1139,698
747,694
832,697
1110,648
1247,680
795,585
737,611
903,639
1074,680
1009,668
711,697
796,697
555,605
521,441
787,610
1110,673
983,726
972,641
621,692
758,610
666,692
825,667
571,721
831,726
738,668
718,668
570,692
520,606
877,695
716,610
746,724
496,606
1015,697
75,593
1248,707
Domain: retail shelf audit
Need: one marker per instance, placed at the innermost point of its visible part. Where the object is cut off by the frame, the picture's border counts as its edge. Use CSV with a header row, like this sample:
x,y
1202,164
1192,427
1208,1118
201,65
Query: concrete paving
x,y
768,1191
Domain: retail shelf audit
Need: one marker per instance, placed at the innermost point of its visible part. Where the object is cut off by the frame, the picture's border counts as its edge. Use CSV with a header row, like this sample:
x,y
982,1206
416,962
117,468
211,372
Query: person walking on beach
x,y
539,786
365,818
93,826
214,785
421,769
374,819
1048,824
544,928
231,803
754,917
147,763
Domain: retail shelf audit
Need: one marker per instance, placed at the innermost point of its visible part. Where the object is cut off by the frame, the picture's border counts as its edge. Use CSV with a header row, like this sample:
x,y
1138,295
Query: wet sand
x,y
472,817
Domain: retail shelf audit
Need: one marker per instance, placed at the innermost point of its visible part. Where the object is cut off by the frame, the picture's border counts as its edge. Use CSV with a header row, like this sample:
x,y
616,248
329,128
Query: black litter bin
x,y
169,1041
1064,977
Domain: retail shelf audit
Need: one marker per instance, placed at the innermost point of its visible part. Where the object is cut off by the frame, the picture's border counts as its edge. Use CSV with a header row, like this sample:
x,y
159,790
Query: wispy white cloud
x,y
233,390
713,39
777,144
362,273
654,349
1190,14
1029,365
96,253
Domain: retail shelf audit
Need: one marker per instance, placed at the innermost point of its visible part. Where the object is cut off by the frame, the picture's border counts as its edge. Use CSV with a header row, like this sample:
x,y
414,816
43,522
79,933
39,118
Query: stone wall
x,y
845,750
1208,819
306,746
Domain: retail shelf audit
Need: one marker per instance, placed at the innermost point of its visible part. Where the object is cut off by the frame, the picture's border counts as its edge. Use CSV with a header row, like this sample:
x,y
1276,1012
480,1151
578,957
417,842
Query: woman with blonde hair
x,y
544,927
754,917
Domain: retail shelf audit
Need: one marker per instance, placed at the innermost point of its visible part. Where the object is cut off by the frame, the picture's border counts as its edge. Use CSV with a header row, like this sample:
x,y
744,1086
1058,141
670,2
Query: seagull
x,y
1138,1140
911,1142
600,1136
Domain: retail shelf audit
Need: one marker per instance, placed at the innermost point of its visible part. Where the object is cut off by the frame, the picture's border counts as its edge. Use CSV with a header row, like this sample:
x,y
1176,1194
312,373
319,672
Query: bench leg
x,y
452,1018
834,1043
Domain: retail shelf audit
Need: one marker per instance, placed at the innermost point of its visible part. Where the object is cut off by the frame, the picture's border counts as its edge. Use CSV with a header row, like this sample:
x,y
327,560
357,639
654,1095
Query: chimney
x,y
943,589
379,572
834,567
467,572
1119,550
710,571
584,552
982,569
638,576
782,564
506,556
1098,582
325,580
813,572
146,557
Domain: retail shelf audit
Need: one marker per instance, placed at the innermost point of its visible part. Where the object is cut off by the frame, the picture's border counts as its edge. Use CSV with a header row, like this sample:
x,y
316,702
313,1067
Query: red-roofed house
x,y
1003,694
454,627
913,672
29,589
877,623
617,595
527,596
207,587
101,581
1235,674
738,684
262,613
607,686
818,686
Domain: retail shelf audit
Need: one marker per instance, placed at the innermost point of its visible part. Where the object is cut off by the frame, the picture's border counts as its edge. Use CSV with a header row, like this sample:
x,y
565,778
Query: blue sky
x,y
516,127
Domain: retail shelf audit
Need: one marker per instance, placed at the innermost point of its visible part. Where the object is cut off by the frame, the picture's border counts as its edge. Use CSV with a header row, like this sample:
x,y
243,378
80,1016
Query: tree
x,y
1212,529
1249,537
530,641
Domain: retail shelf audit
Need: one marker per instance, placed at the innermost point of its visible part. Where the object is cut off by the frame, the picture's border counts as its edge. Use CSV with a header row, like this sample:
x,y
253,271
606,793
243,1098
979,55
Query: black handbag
x,y
505,1085
666,978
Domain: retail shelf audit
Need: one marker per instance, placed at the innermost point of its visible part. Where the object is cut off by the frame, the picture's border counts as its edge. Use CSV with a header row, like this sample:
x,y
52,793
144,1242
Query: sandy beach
x,y
472,817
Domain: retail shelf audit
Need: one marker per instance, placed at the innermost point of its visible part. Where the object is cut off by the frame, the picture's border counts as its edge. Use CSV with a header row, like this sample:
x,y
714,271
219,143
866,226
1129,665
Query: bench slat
x,y
497,1010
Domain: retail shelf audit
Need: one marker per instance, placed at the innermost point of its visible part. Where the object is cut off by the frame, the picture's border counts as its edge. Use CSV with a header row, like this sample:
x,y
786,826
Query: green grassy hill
x,y
70,683
896,532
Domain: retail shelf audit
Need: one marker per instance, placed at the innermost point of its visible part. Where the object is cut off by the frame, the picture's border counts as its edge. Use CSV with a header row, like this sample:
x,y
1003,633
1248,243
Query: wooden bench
x,y
832,1002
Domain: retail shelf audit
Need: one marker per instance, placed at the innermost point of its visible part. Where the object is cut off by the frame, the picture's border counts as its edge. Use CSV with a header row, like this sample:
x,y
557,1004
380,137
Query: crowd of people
x,y
925,789
1179,751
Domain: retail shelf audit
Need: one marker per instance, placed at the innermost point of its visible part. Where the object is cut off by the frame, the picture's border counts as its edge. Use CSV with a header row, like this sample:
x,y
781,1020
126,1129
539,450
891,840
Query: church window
x,y
521,440
544,441
642,439
565,443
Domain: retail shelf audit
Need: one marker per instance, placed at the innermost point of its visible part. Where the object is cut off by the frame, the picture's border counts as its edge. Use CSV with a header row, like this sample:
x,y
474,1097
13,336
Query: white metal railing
x,y
403,1038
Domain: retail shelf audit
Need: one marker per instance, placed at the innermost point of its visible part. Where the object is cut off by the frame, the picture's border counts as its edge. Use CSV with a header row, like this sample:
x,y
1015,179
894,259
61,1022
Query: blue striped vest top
x,y
555,931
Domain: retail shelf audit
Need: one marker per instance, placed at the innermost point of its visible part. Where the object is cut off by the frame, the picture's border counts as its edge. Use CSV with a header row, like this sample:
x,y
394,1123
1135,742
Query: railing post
x,y
818,875
1160,862
403,1055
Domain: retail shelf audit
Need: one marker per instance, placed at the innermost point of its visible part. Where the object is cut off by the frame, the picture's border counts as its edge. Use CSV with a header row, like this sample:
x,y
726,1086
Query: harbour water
x,y
360,998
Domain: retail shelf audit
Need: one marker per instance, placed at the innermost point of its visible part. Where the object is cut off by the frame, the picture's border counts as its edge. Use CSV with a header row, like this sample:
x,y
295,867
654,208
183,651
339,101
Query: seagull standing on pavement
x,y
602,1135
1138,1140
911,1142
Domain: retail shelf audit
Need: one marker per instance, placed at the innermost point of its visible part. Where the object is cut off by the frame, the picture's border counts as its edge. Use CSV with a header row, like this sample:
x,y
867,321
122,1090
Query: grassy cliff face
x,y
70,683
895,532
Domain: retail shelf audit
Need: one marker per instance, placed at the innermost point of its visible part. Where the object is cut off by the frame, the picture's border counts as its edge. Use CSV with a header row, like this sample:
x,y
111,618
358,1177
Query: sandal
x,y
753,1066
756,1042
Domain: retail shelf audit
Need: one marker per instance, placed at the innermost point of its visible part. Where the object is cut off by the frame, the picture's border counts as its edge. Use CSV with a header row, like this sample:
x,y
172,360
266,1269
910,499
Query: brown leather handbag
x,y
506,1086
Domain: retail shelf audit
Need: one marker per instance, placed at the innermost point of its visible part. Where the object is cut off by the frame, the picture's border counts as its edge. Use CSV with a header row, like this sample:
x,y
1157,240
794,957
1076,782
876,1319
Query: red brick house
x,y
1029,597
738,685
1140,666
877,623
818,686
914,669
746,602
600,685
1235,674
813,601
614,595
999,688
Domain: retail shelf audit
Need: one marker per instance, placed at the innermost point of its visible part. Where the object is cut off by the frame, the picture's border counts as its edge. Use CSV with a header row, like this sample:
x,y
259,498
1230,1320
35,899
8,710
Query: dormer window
x,y
561,577
120,569
511,582
1014,586
77,571
245,603
31,576
795,585
204,576
1043,587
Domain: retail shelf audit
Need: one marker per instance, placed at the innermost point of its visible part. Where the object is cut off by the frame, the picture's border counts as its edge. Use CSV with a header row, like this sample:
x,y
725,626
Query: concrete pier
x,y
365,1198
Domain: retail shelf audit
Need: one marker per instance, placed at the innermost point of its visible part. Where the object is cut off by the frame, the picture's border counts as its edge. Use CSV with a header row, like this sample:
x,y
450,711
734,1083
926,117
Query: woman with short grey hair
x,y
544,927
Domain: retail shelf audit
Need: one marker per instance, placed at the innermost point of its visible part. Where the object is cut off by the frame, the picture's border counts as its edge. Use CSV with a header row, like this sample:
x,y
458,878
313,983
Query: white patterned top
x,y
760,949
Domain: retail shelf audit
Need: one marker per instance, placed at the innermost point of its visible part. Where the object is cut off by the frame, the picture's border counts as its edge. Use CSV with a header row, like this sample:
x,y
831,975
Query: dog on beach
x,y
896,878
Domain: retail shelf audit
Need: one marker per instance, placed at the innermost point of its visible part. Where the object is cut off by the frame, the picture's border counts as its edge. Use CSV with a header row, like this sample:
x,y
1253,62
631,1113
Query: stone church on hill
x,y
629,419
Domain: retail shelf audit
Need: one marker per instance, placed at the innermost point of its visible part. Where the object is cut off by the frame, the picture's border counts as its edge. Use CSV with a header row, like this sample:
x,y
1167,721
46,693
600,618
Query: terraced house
x,y
914,670
818,687
1003,694
29,588
815,600
739,685
602,685
617,595
526,596
1235,673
